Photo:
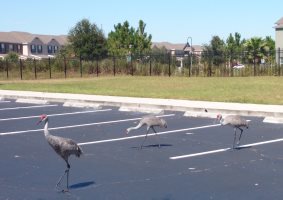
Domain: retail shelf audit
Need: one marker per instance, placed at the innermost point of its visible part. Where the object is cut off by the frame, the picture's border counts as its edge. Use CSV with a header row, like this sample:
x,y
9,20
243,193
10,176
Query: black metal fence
x,y
145,65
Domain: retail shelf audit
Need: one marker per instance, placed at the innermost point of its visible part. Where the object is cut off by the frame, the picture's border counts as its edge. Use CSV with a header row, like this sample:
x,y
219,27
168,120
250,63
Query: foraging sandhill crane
x,y
64,147
235,121
150,121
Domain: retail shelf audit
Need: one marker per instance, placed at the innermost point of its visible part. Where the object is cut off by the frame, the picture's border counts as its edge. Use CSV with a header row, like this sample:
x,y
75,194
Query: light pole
x,y
191,52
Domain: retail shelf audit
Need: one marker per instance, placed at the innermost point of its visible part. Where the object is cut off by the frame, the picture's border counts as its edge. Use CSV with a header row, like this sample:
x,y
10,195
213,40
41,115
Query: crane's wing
x,y
236,120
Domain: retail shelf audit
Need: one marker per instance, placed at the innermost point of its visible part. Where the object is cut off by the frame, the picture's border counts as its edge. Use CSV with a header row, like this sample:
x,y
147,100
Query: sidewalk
x,y
192,108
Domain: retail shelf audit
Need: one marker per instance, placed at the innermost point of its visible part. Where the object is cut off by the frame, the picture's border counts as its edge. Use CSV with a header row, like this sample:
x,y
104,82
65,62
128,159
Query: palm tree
x,y
255,48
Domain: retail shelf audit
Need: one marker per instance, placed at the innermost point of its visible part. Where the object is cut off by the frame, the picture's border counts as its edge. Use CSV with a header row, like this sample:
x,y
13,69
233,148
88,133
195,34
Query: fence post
x,y
34,62
49,64
97,70
65,67
254,64
81,66
7,68
132,65
169,72
21,69
279,66
150,65
189,66
114,66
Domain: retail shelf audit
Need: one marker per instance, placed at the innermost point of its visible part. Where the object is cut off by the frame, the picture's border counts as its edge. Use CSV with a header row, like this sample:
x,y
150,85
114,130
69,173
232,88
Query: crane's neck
x,y
221,120
133,128
46,132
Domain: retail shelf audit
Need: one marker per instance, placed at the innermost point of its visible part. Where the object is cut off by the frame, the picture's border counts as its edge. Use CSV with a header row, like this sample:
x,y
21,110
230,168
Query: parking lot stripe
x,y
226,149
80,125
59,114
26,107
199,154
151,134
5,101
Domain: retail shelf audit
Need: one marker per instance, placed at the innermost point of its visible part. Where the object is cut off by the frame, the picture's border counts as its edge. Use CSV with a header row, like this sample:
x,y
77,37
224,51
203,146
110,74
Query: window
x,y
55,49
32,48
19,48
39,48
281,61
11,48
49,49
2,47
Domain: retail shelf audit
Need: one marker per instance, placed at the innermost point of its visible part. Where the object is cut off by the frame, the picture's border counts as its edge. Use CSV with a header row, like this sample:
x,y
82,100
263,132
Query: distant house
x,y
180,51
279,40
29,45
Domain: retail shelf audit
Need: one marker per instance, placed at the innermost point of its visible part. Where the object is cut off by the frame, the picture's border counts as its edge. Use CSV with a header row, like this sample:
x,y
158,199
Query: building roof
x,y
25,37
279,23
171,46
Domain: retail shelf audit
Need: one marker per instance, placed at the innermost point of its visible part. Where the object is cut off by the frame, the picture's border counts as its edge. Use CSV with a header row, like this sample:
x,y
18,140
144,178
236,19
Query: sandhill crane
x,y
150,121
235,121
64,147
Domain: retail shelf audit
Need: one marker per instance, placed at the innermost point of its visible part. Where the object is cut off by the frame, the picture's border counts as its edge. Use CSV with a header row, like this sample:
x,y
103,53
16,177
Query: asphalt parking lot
x,y
195,160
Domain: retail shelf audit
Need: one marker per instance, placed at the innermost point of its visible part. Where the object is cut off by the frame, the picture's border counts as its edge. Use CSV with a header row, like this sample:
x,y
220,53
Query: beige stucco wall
x,y
25,49
279,42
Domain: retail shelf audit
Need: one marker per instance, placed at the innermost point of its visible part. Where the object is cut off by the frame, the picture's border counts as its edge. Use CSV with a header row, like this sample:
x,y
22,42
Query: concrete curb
x,y
193,107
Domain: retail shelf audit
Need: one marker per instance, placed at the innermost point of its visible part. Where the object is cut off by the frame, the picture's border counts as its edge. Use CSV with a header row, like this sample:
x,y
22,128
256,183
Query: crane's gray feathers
x,y
149,121
235,120
64,147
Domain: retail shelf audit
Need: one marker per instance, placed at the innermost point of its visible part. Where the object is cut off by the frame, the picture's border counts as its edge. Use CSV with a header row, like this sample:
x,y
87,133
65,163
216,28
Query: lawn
x,y
260,90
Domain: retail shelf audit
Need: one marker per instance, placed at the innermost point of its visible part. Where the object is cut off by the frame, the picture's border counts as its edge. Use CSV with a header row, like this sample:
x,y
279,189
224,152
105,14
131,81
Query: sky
x,y
174,21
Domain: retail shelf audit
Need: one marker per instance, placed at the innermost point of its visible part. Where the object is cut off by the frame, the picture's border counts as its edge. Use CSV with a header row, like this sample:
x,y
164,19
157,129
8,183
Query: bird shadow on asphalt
x,y
81,185
240,148
152,146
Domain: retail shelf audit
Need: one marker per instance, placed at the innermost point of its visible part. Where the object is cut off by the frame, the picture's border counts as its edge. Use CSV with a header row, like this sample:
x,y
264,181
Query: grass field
x,y
260,90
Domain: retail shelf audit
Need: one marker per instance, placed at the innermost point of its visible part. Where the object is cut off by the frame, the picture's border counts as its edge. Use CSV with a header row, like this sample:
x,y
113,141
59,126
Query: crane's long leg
x,y
240,136
234,137
61,177
68,179
156,137
144,138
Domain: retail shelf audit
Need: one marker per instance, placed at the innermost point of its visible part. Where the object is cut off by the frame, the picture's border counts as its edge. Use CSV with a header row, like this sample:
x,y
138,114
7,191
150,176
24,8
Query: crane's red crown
x,y
42,117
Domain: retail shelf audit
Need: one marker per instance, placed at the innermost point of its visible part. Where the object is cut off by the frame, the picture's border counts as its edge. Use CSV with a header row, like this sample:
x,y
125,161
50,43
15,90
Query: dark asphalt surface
x,y
29,168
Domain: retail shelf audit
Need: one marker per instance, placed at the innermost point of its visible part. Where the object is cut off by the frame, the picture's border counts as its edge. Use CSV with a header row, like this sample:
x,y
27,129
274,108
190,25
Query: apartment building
x,y
279,40
29,45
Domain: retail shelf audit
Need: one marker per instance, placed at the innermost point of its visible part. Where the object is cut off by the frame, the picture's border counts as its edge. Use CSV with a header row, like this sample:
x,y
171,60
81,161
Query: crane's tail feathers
x,y
79,151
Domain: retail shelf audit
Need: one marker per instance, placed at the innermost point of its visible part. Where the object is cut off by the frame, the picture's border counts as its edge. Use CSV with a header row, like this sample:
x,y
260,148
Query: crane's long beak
x,y
216,120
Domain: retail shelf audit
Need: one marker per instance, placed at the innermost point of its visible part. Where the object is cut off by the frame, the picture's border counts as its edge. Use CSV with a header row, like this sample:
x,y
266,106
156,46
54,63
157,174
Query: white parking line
x,y
225,149
59,114
5,101
26,107
138,136
79,125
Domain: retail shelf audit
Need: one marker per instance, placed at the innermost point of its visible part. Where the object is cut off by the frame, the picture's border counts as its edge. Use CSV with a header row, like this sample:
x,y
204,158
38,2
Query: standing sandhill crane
x,y
234,121
64,147
150,121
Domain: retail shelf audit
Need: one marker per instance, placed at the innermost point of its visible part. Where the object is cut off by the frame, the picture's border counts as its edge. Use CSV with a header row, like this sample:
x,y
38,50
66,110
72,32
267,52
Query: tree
x,y
217,49
270,49
234,47
12,57
255,48
125,39
207,57
142,41
121,40
87,40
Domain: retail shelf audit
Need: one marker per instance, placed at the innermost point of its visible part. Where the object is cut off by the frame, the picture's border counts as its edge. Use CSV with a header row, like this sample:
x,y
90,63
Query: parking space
x,y
195,160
